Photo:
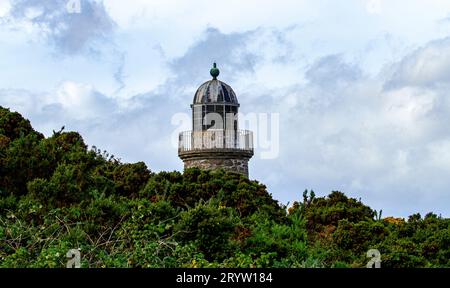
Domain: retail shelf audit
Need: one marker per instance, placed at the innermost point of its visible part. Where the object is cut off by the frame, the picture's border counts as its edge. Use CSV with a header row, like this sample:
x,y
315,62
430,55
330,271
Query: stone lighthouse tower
x,y
215,140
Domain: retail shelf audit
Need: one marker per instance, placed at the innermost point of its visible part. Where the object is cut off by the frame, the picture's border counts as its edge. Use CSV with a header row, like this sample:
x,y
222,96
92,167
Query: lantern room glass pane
x,y
197,118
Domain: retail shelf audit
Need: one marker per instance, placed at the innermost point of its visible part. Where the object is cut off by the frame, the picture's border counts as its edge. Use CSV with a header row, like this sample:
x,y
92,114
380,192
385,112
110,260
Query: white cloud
x,y
427,66
363,97
82,102
439,152
70,33
5,6
409,110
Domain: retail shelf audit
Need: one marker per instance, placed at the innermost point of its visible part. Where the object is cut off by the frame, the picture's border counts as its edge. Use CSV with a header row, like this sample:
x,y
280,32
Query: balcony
x,y
216,140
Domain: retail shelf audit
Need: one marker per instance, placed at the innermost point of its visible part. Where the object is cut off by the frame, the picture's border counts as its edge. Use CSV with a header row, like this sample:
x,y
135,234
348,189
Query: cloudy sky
x,y
360,85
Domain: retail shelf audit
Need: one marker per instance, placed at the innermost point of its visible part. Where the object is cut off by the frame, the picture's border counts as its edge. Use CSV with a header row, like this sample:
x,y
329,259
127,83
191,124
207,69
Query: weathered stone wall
x,y
234,165
230,160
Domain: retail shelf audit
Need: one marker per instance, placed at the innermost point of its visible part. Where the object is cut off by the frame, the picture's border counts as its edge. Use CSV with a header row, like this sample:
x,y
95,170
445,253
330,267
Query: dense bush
x,y
56,195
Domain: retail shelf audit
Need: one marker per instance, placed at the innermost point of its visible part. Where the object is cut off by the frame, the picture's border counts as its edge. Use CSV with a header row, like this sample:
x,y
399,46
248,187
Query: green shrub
x,y
208,226
56,195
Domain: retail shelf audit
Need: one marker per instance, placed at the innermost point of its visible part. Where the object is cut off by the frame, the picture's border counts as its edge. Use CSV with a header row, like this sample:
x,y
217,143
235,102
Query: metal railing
x,y
215,139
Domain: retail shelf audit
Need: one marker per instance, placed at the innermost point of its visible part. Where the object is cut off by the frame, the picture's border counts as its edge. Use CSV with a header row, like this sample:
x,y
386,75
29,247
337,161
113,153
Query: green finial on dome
x,y
214,71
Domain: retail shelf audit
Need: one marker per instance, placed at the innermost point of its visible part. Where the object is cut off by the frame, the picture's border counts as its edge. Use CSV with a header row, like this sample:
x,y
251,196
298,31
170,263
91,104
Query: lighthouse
x,y
215,141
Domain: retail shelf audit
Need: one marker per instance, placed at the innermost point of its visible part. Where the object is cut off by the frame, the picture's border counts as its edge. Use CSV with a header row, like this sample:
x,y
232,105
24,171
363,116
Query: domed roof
x,y
215,91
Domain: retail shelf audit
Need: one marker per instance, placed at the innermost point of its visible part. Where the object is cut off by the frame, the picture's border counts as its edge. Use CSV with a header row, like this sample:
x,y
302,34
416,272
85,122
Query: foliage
x,y
56,195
